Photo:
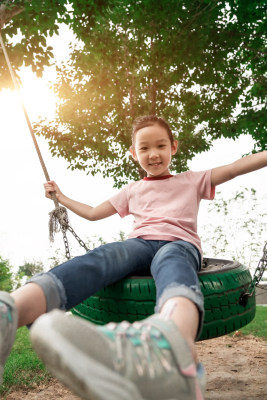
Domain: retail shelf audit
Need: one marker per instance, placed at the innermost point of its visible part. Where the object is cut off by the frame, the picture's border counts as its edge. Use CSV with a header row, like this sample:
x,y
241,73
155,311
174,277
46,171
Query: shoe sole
x,y
83,375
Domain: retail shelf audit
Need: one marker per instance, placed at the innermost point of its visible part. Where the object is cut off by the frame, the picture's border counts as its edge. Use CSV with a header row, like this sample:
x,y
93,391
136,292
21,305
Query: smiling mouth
x,y
155,164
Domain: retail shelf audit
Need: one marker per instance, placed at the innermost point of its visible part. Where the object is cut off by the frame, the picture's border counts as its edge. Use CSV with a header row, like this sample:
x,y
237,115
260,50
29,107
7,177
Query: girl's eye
x,y
161,146
143,148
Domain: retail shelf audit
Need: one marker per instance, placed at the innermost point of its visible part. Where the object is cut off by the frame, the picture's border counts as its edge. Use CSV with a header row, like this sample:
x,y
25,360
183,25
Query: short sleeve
x,y
121,202
206,190
202,181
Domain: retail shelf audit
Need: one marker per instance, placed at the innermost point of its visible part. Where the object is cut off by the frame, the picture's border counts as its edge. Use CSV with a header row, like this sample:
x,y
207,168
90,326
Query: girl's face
x,y
153,150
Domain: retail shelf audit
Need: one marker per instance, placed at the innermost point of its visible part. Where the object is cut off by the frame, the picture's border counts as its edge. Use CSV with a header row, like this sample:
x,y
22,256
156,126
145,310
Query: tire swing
x,y
227,286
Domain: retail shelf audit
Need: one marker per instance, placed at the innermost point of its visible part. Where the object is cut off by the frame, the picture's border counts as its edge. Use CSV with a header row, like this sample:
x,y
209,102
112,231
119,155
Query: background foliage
x,y
11,279
5,275
200,64
236,228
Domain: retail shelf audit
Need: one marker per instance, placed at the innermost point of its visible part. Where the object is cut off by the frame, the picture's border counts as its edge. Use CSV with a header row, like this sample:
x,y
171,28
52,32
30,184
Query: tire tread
x,y
133,299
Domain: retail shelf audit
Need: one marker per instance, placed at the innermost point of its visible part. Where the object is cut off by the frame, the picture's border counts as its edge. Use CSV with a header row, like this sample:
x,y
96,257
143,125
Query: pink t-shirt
x,y
165,209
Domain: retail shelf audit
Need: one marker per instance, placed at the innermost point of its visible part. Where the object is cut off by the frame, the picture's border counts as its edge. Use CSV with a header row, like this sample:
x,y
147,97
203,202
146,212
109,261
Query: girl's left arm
x,y
243,166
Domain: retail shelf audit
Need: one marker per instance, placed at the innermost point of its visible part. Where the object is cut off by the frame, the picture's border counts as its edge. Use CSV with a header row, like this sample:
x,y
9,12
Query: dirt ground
x,y
236,369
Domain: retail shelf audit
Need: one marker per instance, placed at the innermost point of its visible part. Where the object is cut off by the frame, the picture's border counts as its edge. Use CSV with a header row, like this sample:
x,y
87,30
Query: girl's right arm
x,y
101,211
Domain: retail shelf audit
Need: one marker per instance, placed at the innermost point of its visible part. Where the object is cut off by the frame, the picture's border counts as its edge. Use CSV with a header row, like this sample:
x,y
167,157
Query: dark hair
x,y
150,120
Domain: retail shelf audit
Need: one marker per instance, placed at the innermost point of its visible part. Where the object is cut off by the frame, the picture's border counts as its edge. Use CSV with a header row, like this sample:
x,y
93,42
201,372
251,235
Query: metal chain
x,y
66,244
262,266
79,240
64,229
65,240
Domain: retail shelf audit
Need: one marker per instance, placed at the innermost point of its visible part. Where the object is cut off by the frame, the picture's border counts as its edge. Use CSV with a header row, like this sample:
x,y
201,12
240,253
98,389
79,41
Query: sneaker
x,y
8,328
147,360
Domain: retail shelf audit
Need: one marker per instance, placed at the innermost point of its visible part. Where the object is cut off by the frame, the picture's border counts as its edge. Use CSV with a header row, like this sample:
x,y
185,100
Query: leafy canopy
x,y
201,64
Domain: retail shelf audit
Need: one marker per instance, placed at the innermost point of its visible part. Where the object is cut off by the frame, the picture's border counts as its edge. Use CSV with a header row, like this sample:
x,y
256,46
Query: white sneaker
x,y
8,328
145,360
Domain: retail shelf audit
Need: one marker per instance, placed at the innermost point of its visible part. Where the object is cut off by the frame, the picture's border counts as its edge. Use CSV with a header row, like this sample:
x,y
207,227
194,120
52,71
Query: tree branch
x,y
7,12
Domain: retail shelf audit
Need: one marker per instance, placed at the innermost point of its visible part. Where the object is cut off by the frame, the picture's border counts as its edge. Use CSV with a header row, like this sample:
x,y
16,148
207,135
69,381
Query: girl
x,y
155,358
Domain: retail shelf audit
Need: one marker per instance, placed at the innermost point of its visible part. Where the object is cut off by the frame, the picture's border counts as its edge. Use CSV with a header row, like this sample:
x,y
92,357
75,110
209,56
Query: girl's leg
x,y
30,302
70,283
149,359
179,297
184,313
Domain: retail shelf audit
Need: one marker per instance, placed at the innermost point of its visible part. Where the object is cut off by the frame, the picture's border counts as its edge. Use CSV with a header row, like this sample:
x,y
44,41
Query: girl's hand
x,y
52,187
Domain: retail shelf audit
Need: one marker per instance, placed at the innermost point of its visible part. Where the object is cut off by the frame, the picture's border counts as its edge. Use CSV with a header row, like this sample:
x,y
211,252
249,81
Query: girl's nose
x,y
153,154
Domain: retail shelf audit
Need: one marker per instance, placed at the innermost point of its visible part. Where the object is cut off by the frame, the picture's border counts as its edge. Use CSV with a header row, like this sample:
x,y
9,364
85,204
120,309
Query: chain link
x,y
59,221
262,266
79,240
66,243
64,228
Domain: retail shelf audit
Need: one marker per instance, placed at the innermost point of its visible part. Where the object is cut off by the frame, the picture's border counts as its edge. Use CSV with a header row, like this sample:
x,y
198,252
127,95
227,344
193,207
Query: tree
x,y
198,63
5,275
31,268
26,25
27,270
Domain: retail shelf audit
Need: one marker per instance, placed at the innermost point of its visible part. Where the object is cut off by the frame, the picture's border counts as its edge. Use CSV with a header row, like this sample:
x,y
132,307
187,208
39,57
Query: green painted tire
x,y
223,283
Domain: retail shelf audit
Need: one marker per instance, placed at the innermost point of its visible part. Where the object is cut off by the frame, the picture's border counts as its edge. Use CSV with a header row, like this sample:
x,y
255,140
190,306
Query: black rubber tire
x,y
223,284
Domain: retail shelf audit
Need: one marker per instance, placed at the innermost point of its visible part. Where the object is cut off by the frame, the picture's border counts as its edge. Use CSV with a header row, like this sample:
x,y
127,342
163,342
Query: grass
x,y
257,327
23,369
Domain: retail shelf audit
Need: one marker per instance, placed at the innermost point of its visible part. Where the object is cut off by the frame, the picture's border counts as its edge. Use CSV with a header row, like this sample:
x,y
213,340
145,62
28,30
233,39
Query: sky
x,y
24,211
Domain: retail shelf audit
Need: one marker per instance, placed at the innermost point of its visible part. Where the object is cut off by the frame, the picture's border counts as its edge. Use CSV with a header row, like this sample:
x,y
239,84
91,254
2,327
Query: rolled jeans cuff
x,y
194,294
53,290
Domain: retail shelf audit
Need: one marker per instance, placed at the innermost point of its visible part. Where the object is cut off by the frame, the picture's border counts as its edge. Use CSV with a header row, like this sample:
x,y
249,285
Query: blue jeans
x,y
173,265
